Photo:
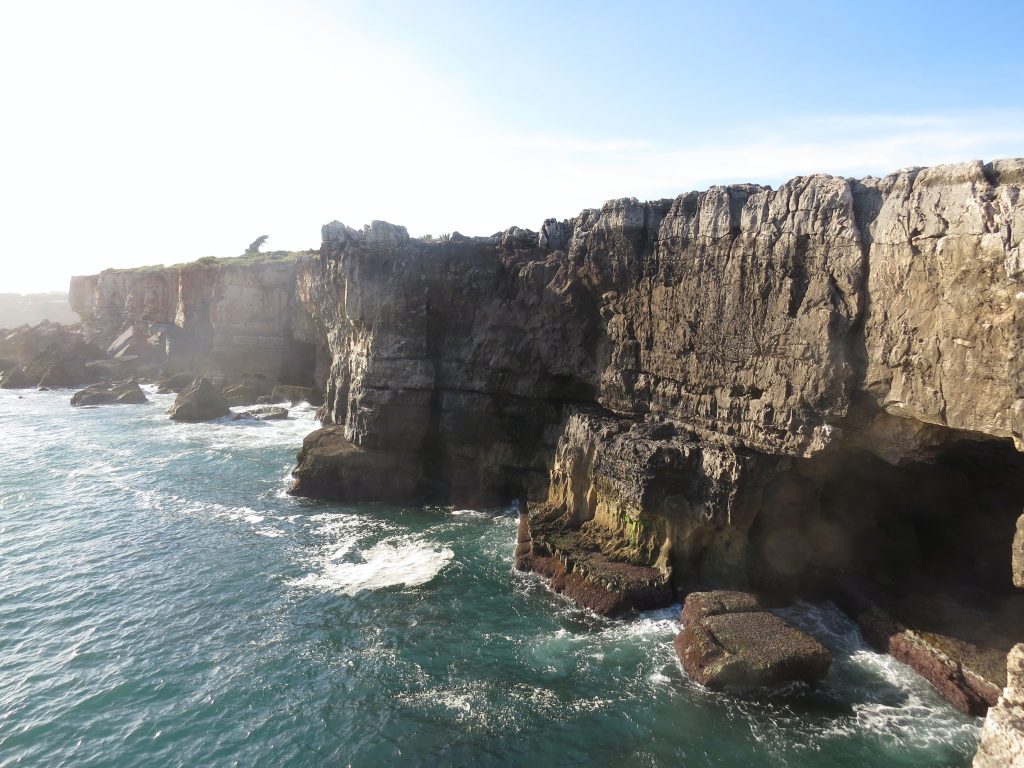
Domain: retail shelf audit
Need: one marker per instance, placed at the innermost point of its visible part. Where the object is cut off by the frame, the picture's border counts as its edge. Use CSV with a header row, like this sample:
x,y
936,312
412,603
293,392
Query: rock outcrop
x,y
47,355
263,413
121,392
1002,737
741,387
729,640
236,320
200,401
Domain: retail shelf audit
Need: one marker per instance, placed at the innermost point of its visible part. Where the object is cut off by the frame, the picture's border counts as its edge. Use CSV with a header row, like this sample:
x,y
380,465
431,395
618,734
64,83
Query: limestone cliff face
x,y
784,322
1002,739
792,390
232,319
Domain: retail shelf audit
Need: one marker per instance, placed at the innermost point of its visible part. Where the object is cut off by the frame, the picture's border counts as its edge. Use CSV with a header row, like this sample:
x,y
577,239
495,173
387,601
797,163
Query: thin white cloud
x,y
134,135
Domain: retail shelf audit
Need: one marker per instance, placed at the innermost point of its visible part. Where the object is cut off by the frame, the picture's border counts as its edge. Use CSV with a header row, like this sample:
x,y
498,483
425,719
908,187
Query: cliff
x,y
236,319
812,390
815,390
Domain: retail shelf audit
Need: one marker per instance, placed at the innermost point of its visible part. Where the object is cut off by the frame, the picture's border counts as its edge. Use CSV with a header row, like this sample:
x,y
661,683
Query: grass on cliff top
x,y
268,257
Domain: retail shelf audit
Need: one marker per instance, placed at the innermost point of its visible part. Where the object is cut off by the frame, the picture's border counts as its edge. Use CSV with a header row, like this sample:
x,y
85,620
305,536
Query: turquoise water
x,y
164,603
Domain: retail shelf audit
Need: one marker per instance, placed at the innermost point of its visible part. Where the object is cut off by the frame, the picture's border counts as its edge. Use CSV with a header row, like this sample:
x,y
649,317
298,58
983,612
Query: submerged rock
x,y
200,401
728,640
1002,737
124,392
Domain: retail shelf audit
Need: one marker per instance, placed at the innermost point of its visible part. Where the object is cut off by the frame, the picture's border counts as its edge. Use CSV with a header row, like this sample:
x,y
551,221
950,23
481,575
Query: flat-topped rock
x,y
263,413
729,641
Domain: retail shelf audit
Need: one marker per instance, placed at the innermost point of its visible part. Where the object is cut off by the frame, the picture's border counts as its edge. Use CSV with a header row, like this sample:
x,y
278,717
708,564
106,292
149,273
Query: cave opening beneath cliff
x,y
930,542
298,363
945,523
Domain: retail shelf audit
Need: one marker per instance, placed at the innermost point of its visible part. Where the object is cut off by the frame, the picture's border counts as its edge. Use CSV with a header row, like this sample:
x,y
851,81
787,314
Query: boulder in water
x,y
200,401
264,413
728,640
240,394
123,392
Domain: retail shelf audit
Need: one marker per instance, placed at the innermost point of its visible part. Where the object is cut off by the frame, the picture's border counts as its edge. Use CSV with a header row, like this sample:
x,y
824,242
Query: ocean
x,y
164,602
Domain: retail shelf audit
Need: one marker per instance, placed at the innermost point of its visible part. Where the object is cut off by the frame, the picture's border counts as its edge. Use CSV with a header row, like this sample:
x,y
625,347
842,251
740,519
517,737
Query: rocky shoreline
x,y
814,391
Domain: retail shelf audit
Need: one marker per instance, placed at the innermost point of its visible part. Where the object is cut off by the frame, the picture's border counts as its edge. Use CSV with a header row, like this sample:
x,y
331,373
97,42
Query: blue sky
x,y
138,133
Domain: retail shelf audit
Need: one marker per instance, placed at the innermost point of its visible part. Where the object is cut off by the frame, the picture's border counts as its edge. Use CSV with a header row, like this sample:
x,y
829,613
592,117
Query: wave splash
x,y
392,562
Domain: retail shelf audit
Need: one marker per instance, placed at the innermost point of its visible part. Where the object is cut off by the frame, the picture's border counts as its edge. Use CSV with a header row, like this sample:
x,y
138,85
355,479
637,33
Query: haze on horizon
x,y
137,134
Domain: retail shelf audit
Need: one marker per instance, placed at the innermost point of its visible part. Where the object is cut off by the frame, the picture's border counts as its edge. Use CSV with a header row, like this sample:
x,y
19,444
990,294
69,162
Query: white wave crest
x,y
386,564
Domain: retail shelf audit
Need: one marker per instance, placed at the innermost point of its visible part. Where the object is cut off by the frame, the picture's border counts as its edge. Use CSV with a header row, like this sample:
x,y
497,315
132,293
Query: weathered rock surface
x,y
175,382
728,639
48,354
332,467
738,387
577,567
1002,737
123,392
264,413
241,394
1018,554
200,401
230,319
960,649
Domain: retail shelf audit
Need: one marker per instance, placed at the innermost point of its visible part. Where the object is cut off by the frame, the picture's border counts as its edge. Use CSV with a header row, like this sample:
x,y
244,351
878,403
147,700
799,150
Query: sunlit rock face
x,y
229,320
1002,737
740,387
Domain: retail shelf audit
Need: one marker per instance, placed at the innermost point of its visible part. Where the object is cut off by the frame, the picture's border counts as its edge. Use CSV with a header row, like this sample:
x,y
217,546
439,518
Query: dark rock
x,y
240,394
329,466
576,567
124,392
57,375
17,378
296,395
200,401
133,344
48,353
928,635
728,640
264,413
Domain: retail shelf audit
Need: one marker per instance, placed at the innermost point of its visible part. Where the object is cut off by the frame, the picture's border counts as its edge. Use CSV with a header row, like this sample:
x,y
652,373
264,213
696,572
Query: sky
x,y
137,133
